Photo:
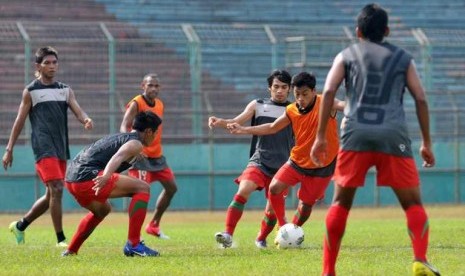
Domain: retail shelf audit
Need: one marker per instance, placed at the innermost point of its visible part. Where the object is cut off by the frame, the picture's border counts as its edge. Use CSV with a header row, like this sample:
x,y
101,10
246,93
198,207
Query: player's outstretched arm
x,y
127,152
78,112
264,129
333,81
23,111
243,117
421,104
128,118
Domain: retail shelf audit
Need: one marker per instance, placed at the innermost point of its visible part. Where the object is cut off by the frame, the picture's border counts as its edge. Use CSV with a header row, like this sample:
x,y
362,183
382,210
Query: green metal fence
x,y
217,69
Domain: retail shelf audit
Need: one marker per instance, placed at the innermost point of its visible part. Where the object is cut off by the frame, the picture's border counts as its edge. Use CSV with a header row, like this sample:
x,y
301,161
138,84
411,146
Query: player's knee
x,y
56,188
276,189
143,188
102,212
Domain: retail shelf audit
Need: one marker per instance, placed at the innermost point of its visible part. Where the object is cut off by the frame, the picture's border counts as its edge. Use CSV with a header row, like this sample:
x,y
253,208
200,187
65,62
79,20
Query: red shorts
x,y
312,188
147,176
391,170
83,193
255,175
51,168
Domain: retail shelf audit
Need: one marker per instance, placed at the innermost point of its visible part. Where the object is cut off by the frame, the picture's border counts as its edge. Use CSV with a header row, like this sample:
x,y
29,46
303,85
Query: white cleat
x,y
224,239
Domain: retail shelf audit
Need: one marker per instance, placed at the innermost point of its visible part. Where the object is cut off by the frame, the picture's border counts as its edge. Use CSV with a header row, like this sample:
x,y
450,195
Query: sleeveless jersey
x,y
155,149
270,152
375,85
93,158
49,119
304,127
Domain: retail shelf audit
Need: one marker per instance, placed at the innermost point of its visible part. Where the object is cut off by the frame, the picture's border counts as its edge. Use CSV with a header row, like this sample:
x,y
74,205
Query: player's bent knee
x,y
56,188
277,189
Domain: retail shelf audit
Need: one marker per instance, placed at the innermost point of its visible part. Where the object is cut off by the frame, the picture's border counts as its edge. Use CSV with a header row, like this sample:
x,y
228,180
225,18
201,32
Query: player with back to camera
x,y
46,101
302,116
154,166
375,133
267,154
93,176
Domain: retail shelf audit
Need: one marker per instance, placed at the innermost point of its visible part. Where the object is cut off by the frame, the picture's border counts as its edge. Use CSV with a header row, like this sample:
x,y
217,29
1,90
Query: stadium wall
x,y
205,176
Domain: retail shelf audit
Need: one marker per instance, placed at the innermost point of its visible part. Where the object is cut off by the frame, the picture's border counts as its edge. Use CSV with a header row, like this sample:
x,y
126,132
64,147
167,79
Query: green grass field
x,y
375,243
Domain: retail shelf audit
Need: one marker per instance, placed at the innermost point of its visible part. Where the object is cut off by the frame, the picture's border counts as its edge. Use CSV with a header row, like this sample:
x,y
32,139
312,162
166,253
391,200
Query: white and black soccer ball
x,y
289,236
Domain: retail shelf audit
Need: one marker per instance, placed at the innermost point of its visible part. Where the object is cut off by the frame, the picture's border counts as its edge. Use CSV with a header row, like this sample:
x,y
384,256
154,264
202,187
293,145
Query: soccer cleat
x,y
62,244
261,244
67,253
18,233
155,231
224,239
424,269
140,250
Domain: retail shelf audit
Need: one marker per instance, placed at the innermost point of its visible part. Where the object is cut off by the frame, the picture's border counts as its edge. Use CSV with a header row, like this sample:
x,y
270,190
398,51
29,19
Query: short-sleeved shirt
x,y
375,84
94,158
270,152
49,119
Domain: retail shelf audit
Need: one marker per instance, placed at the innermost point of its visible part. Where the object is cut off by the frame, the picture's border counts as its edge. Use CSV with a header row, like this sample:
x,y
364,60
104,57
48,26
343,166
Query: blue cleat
x,y
140,250
18,233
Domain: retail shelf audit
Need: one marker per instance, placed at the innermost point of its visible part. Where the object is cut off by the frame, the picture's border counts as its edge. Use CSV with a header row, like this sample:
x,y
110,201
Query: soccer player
x,y
46,101
93,176
154,167
302,116
376,74
267,155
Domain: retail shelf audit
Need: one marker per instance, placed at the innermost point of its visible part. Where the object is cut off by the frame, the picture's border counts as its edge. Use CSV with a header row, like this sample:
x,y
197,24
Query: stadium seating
x,y
237,50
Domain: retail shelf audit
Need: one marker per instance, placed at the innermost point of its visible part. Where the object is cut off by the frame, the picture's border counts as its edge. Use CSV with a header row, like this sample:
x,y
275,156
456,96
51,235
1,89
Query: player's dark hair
x,y
150,75
281,75
304,79
144,120
372,22
45,51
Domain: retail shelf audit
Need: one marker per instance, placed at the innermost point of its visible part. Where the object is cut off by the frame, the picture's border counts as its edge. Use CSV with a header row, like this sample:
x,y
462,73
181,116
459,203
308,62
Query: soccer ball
x,y
289,236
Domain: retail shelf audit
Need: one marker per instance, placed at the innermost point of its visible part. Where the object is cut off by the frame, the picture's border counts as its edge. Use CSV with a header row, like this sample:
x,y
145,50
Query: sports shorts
x,y
165,174
393,171
312,188
83,193
51,168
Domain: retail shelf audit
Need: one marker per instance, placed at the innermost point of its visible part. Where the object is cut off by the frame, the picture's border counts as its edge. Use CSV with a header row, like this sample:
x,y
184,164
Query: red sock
x,y
336,219
278,204
85,228
137,211
268,224
301,215
234,213
418,229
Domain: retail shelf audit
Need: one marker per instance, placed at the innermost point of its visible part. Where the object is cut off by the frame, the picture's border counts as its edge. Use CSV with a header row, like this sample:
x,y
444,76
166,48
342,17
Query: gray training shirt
x,y
375,82
49,119
92,159
270,152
